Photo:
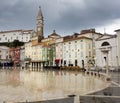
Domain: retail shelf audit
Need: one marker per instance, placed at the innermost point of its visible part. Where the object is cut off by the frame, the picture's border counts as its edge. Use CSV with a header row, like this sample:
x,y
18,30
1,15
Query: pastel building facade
x,y
77,51
15,55
48,49
36,56
59,52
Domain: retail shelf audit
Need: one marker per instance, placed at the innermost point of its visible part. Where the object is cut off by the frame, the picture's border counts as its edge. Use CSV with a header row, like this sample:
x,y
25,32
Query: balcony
x,y
27,59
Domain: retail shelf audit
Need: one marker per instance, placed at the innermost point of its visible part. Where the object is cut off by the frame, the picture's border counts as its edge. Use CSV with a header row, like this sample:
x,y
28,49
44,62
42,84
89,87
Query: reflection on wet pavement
x,y
16,85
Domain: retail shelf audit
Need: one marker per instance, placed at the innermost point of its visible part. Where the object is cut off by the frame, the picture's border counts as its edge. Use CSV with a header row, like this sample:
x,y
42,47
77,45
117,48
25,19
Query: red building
x,y
15,55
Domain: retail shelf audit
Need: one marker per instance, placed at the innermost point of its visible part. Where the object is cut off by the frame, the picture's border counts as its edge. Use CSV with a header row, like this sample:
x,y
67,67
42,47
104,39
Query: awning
x,y
57,60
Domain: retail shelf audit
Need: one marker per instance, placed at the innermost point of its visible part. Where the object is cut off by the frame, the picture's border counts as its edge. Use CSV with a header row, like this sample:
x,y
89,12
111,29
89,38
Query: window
x,y
5,38
75,62
105,44
89,53
64,62
75,41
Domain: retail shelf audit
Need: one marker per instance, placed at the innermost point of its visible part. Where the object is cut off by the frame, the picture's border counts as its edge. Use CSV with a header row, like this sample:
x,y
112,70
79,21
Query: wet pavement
x,y
108,95
115,78
25,85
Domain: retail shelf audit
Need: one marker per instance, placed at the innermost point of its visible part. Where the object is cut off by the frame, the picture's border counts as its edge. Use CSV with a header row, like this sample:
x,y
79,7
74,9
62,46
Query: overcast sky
x,y
65,16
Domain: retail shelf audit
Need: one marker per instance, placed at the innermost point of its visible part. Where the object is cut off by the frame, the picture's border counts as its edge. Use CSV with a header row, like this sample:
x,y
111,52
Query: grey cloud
x,y
96,13
66,16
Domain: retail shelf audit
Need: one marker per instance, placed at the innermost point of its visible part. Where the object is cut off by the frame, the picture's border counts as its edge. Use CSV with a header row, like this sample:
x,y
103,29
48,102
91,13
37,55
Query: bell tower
x,y
39,25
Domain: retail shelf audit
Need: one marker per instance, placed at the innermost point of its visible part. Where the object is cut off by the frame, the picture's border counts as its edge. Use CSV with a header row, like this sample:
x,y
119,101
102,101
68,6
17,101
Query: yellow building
x,y
36,56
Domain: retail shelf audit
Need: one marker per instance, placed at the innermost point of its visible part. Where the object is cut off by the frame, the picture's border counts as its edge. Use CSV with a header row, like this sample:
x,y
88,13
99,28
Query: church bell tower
x,y
39,25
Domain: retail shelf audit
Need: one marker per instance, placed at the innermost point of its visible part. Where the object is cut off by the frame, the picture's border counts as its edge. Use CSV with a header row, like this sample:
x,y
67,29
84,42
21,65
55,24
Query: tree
x,y
16,43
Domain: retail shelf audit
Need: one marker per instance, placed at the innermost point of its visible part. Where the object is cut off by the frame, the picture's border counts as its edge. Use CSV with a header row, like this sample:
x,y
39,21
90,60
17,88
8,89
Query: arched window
x,y
105,44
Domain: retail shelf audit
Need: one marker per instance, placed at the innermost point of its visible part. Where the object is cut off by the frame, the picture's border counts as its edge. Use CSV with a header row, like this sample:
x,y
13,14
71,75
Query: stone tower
x,y
39,25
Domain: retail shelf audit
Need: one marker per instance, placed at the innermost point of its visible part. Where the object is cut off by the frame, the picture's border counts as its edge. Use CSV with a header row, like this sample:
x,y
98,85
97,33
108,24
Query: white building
x,y
118,45
77,51
4,56
28,50
10,36
106,50
91,33
4,53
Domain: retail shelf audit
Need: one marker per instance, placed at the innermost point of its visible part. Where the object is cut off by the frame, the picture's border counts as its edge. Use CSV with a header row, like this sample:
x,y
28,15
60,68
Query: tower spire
x,y
40,24
40,15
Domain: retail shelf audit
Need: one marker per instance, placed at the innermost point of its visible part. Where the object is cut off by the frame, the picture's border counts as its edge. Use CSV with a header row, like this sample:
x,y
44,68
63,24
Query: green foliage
x,y
15,43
